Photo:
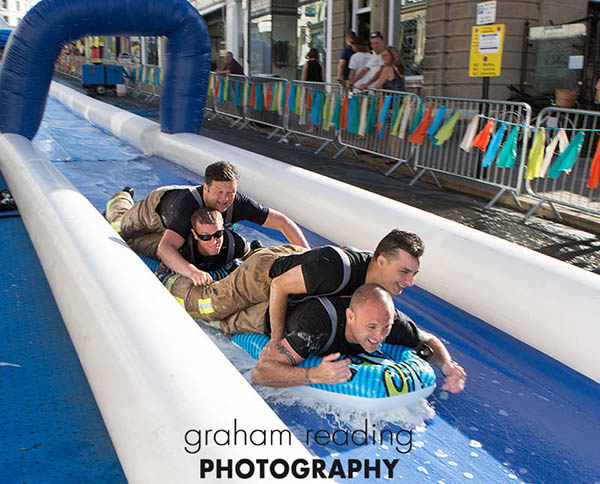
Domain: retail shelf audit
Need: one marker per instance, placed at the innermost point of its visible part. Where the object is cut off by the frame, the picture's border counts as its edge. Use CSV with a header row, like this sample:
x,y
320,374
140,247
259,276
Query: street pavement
x,y
576,246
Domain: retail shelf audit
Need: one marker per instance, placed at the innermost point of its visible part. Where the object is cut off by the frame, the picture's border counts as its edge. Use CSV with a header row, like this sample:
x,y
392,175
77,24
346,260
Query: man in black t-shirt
x,y
208,248
159,225
343,72
331,326
283,274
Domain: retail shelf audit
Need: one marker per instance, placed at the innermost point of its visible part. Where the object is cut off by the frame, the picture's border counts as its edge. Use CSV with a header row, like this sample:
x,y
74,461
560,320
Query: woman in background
x,y
391,75
313,70
359,60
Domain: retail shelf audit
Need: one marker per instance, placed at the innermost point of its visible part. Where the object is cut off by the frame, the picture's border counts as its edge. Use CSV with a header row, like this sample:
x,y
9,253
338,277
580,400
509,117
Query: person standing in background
x,y
359,60
366,76
231,65
391,75
343,71
313,70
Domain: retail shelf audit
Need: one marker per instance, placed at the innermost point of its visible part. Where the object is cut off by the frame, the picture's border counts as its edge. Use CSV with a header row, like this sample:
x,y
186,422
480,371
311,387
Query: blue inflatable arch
x,y
36,44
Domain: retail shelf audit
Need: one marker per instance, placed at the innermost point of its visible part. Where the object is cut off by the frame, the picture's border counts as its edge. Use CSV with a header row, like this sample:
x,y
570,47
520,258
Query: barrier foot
x,y
232,125
274,132
285,137
517,201
560,219
532,210
495,199
322,147
419,175
552,206
243,125
335,157
396,165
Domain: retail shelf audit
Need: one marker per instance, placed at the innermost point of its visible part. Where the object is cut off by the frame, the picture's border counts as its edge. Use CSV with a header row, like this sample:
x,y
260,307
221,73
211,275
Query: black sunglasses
x,y
377,35
206,237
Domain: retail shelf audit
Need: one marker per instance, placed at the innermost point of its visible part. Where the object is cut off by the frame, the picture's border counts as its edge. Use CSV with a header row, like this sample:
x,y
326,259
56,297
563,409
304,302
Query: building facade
x,y
12,11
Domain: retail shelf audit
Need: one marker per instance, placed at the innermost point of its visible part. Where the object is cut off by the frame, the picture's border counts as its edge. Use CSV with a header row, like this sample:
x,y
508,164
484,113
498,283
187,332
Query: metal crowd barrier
x,y
209,107
452,121
265,102
146,80
310,107
568,174
376,121
230,95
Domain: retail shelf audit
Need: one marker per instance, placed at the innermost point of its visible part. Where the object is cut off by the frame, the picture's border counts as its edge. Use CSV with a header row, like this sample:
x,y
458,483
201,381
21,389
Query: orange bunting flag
x,y
483,138
344,116
268,96
595,169
419,134
252,96
309,99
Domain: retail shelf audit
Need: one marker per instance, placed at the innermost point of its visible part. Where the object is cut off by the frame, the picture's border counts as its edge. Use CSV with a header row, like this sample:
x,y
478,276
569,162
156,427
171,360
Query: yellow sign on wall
x,y
487,42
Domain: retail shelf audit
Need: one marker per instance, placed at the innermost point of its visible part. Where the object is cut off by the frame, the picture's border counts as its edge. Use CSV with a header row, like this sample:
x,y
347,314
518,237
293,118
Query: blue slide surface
x,y
523,417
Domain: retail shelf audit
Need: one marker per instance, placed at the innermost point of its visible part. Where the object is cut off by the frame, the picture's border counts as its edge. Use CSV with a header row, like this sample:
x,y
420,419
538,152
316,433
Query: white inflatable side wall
x,y
150,367
545,303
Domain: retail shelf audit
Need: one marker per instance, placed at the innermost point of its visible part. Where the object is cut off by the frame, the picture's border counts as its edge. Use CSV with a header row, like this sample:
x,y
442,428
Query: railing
x,y
311,108
454,136
376,121
266,102
567,171
479,140
230,93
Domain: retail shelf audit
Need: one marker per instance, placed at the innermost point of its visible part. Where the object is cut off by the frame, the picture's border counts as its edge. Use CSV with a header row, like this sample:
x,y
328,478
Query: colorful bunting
x,y
447,129
418,135
337,112
595,169
364,108
490,154
467,142
437,122
483,138
372,115
383,116
404,122
508,153
563,142
536,155
344,115
567,158
398,116
417,118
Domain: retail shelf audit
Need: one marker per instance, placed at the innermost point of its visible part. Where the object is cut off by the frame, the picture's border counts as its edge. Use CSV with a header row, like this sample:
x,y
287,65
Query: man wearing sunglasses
x,y
332,326
209,248
158,226
368,73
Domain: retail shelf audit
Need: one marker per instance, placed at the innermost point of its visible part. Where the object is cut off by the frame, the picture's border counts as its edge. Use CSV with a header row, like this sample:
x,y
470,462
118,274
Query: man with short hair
x,y
335,326
231,65
368,73
343,71
158,225
286,273
208,248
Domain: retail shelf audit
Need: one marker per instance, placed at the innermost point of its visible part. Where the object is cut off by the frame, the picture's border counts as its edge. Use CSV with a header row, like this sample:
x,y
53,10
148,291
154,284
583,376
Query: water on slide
x,y
523,416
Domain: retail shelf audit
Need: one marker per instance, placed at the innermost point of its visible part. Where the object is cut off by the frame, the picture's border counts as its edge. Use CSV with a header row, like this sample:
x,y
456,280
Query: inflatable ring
x,y
392,377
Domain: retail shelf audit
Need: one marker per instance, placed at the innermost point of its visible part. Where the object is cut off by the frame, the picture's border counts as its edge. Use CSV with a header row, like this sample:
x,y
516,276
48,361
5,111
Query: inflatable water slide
x,y
105,378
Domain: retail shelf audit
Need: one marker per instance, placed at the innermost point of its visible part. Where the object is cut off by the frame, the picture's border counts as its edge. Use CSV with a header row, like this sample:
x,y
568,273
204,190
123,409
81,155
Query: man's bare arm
x,y
168,251
277,367
279,221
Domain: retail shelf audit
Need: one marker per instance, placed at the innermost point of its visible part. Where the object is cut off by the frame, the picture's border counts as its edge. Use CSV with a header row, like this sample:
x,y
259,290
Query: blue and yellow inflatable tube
x,y
392,377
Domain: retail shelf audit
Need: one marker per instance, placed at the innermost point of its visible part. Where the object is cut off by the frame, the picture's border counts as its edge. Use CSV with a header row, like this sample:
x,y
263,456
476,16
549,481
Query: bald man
x,y
332,326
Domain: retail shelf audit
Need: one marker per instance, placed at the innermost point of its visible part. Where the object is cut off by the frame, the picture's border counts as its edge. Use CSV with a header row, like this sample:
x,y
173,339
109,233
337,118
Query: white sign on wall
x,y
486,13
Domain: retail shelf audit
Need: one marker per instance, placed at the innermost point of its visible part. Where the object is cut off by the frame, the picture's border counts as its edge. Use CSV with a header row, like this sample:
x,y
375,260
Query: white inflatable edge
x,y
153,372
543,302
